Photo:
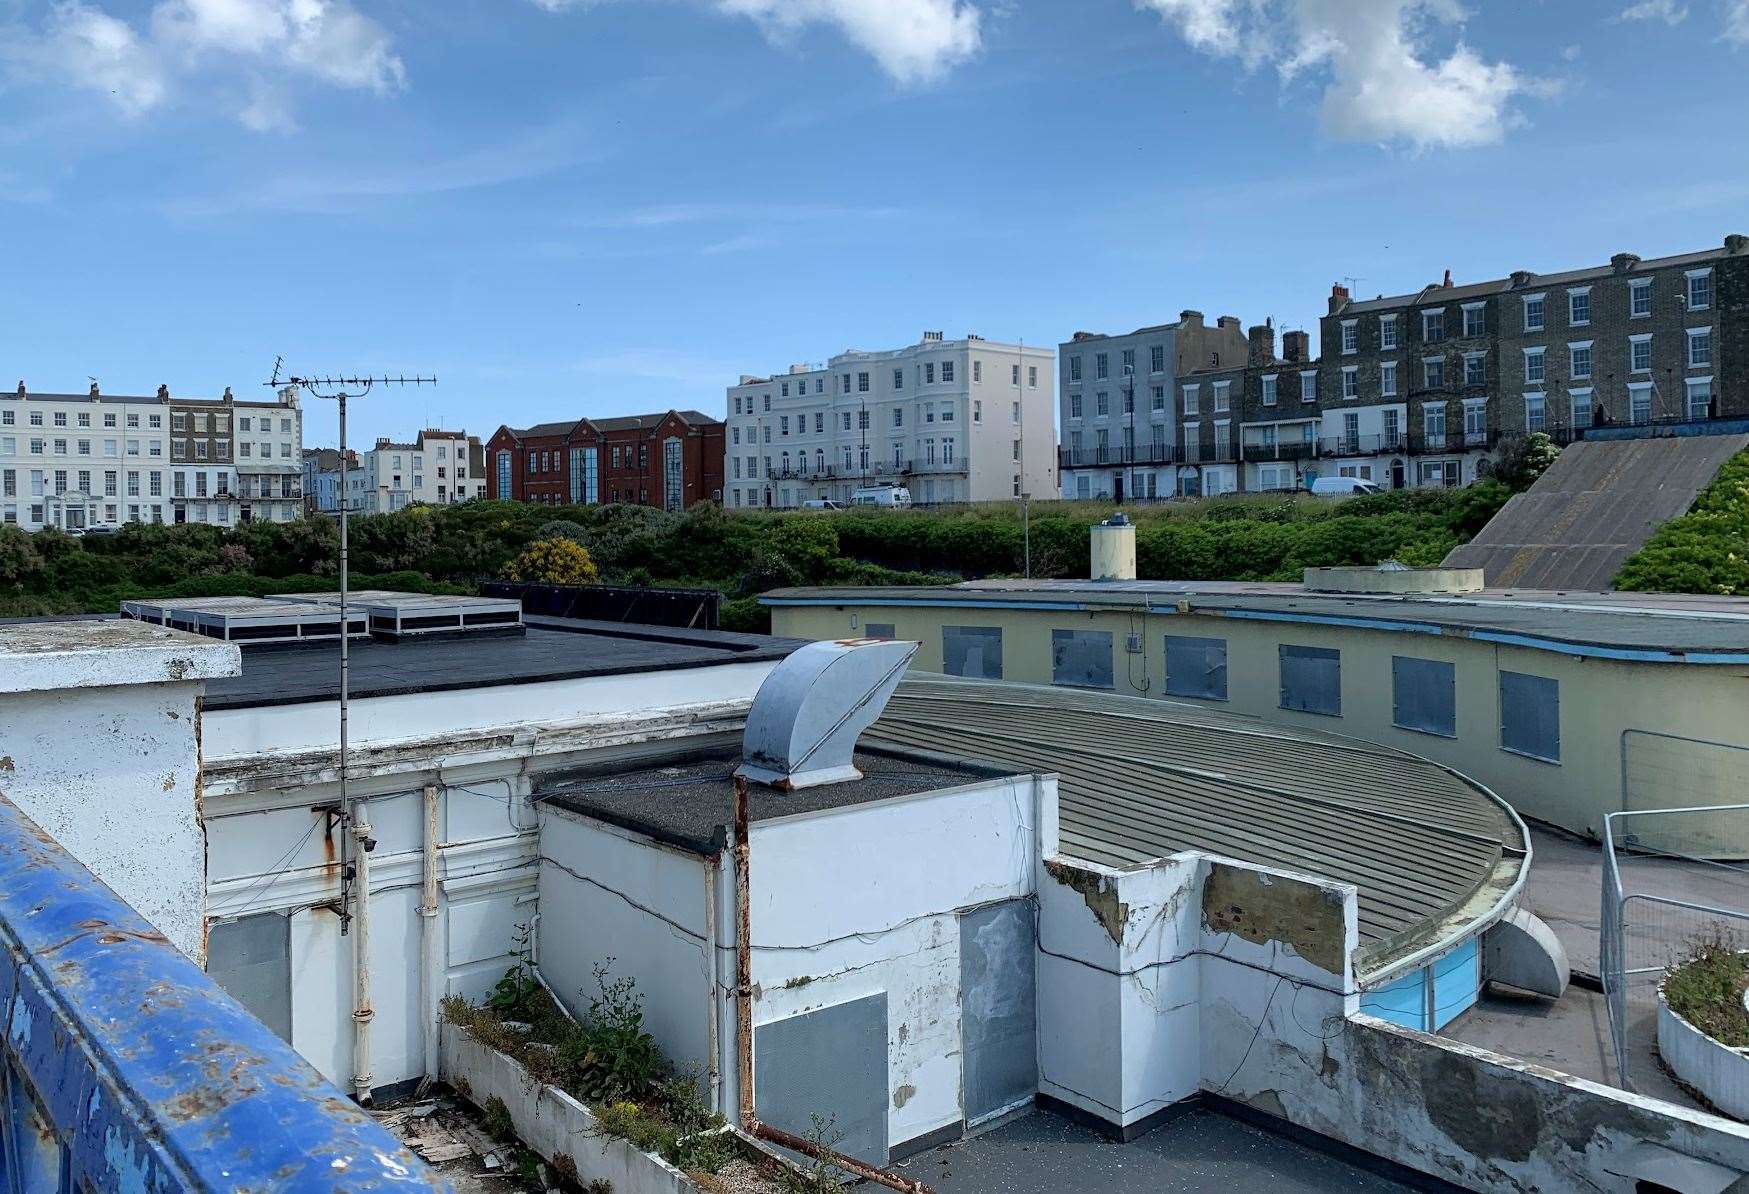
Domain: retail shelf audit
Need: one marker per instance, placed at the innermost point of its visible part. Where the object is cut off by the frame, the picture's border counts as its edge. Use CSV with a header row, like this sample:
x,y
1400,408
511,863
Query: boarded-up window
x,y
1530,716
1424,695
1311,680
878,630
251,959
1196,667
1081,658
972,651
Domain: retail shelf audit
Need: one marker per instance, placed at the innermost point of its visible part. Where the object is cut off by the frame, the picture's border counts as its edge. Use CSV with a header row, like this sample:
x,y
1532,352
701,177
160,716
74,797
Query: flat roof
x,y
1142,778
1644,627
690,803
552,649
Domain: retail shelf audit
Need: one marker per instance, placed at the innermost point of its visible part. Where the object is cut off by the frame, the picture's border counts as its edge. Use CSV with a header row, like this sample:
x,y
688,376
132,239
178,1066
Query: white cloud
x,y
1382,81
915,41
1737,22
187,43
1669,11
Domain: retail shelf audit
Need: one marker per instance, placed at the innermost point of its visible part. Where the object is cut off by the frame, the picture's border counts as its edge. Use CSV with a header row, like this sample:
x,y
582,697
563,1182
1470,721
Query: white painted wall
x,y
607,893
99,746
855,901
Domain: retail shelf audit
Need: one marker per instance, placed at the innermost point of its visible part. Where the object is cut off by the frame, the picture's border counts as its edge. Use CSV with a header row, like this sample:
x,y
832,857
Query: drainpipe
x,y
711,874
428,939
744,1030
362,844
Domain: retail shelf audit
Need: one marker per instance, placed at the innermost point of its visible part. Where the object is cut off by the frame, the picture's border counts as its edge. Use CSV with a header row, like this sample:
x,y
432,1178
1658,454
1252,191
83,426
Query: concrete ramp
x,y
1595,507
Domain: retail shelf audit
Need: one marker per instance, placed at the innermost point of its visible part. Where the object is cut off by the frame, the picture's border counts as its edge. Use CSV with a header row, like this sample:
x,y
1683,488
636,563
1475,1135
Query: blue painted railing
x,y
123,1067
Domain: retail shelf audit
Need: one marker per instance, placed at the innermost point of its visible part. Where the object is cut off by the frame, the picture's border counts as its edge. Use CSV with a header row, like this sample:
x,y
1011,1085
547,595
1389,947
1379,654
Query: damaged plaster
x,y
1251,906
1099,892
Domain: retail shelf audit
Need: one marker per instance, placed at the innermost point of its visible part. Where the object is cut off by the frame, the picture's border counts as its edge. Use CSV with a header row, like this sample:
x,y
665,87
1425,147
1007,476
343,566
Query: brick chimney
x,y
1229,322
1191,319
163,393
1521,277
1446,283
1296,346
1262,344
21,390
1338,297
94,393
1736,243
1621,263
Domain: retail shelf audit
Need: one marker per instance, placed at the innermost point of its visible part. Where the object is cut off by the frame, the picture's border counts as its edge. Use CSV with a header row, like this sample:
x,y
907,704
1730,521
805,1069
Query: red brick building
x,y
670,460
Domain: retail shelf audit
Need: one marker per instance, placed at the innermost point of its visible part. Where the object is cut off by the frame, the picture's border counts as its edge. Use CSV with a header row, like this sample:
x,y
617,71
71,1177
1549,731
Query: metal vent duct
x,y
807,716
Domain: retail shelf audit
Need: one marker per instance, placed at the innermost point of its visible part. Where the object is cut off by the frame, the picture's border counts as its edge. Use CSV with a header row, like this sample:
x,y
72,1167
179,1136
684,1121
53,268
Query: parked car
x,y
1342,486
895,497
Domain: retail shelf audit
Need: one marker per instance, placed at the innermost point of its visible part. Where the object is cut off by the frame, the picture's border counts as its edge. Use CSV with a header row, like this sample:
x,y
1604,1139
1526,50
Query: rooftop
x,y
1426,848
1645,627
1473,290
552,649
690,803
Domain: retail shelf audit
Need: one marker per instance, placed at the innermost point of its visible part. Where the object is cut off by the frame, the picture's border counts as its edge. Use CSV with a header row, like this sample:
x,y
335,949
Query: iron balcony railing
x,y
1363,445
1297,449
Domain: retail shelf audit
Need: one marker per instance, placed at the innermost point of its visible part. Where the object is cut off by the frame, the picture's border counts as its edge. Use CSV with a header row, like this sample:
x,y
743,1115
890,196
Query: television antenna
x,y
356,830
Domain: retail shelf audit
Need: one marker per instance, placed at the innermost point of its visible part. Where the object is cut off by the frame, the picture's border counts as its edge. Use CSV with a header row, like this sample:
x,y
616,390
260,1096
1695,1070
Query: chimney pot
x,y
1447,282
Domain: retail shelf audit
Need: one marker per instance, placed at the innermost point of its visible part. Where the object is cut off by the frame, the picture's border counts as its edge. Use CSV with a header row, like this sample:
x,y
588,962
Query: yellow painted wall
x,y
1599,699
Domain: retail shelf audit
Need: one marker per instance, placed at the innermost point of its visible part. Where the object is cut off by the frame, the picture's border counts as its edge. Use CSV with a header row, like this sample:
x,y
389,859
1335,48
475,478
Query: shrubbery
x,y
1704,551
742,554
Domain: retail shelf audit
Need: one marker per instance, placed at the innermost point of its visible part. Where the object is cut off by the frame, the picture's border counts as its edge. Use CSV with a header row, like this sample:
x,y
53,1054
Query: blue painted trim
x,y
941,602
1505,638
152,1078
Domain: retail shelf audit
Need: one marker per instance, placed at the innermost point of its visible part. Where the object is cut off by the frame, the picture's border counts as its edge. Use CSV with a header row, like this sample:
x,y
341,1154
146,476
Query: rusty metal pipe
x,y
750,1122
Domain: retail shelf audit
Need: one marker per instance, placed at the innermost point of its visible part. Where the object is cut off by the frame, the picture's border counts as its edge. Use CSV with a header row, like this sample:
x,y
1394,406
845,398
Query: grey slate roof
x,y
1473,290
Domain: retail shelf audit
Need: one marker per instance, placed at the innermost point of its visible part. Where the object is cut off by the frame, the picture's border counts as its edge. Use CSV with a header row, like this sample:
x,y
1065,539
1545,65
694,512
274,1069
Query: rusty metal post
x,y
743,963
744,1029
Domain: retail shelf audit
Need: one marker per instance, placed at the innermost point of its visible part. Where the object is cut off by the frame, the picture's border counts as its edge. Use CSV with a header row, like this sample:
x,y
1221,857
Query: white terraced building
x,y
953,420
80,460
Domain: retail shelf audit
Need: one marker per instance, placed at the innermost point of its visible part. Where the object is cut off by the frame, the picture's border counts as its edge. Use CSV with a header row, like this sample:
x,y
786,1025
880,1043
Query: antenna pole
x,y
355,826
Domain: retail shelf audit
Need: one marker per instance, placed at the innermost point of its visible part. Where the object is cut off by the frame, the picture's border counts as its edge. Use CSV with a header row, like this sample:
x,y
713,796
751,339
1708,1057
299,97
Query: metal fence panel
x,y
1661,771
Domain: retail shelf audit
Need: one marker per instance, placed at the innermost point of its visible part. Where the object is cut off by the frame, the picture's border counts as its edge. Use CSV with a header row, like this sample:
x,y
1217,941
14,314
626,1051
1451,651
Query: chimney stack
x,y
1736,243
94,393
228,397
1338,297
1230,322
1262,344
1521,277
1623,262
1296,346
21,390
163,393
1446,284
1190,318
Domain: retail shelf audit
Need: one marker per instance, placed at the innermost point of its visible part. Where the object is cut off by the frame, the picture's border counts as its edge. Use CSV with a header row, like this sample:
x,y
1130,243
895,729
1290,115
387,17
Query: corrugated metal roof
x,y
1143,778
1597,505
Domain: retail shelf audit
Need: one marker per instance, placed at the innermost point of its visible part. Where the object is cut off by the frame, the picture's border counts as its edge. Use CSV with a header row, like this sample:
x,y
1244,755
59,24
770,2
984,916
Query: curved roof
x,y
1143,778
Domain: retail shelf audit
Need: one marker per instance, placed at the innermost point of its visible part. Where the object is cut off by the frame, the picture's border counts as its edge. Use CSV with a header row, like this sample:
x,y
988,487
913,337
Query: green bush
x,y
1704,551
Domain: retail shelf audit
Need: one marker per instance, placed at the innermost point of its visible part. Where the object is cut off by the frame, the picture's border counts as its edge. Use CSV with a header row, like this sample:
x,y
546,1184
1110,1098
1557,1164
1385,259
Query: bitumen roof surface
x,y
552,649
689,804
1141,778
1203,1150
1657,627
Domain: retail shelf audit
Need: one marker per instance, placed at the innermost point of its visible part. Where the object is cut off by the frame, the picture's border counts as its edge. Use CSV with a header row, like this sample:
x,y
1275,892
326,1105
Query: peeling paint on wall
x,y
1099,893
1251,906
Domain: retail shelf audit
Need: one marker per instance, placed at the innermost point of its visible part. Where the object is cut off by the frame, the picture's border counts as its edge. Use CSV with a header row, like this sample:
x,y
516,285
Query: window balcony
x,y
1363,445
1297,449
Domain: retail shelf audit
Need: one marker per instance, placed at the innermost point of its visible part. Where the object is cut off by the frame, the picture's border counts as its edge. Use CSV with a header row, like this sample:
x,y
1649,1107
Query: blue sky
x,y
592,208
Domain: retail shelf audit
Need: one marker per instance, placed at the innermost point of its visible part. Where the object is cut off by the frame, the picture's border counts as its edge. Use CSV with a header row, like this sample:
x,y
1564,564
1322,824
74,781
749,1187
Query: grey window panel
x,y
1530,715
1424,695
998,1018
878,630
972,651
1311,680
1196,667
833,1063
251,959
1081,658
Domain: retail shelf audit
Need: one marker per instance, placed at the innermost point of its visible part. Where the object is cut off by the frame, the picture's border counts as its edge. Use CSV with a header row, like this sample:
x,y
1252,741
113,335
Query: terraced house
x,y
1420,389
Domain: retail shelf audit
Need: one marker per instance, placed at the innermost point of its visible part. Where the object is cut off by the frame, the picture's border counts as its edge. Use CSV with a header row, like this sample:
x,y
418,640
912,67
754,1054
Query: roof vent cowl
x,y
811,709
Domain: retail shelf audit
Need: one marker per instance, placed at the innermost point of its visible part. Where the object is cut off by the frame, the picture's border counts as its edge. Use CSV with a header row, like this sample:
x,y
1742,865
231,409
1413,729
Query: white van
x,y
1342,486
893,496
822,504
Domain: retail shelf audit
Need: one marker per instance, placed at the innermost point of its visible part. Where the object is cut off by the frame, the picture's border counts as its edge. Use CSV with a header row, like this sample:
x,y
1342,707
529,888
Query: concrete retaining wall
x,y
553,1123
1719,1072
